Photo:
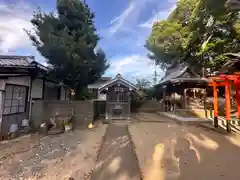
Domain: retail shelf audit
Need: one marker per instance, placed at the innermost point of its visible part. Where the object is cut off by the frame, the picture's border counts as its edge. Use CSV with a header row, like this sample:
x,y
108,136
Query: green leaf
x,y
197,32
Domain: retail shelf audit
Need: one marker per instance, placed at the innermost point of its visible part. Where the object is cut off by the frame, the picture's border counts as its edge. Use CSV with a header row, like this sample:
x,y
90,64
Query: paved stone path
x,y
117,160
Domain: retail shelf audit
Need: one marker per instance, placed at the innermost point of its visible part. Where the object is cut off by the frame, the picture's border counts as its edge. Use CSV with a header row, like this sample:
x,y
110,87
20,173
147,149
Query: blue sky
x,y
123,26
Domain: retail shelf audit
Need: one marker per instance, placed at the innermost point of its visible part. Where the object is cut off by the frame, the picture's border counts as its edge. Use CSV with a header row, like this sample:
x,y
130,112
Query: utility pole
x,y
203,72
155,74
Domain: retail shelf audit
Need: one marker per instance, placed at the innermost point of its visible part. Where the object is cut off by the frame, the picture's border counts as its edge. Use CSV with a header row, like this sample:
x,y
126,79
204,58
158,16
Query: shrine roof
x,y
120,79
181,73
232,65
234,55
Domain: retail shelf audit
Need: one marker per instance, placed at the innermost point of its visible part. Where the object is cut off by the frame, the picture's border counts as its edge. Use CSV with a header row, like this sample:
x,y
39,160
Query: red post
x,y
238,102
215,104
237,88
228,105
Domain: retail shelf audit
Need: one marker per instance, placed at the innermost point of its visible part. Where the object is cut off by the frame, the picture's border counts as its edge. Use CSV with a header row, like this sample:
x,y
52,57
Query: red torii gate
x,y
225,80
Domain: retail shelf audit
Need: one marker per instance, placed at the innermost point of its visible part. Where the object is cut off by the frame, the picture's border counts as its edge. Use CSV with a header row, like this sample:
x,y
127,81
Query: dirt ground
x,y
117,159
165,151
55,157
169,151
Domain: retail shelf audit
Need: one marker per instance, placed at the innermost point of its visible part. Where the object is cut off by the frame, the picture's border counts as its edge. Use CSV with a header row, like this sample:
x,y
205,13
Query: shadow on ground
x,y
117,159
169,151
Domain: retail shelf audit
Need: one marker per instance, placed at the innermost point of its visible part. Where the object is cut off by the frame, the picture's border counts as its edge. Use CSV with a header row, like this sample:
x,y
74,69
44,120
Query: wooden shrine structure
x,y
118,98
228,75
177,80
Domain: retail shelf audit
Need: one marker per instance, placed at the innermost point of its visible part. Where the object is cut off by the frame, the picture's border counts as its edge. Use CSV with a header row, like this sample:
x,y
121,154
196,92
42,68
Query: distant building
x,y
93,88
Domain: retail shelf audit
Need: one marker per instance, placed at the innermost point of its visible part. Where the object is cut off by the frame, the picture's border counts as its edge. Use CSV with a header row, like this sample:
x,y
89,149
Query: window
x,y
15,99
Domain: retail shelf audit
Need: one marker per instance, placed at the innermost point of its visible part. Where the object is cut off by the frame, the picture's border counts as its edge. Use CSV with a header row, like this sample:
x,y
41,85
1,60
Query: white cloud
x,y
134,66
120,20
122,17
13,19
157,16
129,15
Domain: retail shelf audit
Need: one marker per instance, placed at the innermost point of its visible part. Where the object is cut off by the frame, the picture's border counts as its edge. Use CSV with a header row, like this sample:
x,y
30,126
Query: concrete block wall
x,y
43,110
146,106
84,112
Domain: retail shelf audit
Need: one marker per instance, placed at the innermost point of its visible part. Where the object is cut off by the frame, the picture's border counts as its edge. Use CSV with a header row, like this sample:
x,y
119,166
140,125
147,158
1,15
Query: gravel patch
x,y
169,151
55,157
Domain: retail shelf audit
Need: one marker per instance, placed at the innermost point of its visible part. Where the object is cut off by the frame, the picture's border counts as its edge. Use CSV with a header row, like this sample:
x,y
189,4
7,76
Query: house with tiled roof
x,y
22,81
94,88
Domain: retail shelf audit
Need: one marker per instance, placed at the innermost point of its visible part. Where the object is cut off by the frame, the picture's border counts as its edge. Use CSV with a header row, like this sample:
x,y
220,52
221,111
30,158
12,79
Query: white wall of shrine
x,y
102,96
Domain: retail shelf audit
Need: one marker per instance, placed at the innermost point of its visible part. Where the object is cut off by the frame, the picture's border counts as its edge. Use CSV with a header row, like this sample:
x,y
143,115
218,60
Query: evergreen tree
x,y
68,40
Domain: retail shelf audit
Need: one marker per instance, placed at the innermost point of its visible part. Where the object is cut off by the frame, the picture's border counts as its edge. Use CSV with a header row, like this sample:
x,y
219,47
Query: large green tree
x,y
214,31
198,32
68,40
170,38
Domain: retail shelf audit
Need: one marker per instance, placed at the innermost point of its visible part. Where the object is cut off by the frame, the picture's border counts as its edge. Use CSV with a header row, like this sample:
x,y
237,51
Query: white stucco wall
x,y
2,84
102,96
63,91
2,87
1,107
67,93
50,84
37,88
24,81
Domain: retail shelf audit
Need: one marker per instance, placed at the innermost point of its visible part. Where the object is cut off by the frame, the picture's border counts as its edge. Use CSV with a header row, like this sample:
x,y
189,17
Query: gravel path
x,y
56,157
117,160
169,151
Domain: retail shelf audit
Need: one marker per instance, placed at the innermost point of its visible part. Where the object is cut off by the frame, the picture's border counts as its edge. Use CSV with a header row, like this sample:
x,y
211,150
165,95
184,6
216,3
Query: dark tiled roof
x,y
96,85
233,55
106,78
233,4
16,61
176,73
233,64
40,66
100,82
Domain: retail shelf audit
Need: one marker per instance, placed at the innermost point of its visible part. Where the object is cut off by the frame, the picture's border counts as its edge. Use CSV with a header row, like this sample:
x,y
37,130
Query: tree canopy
x,y
198,32
68,40
142,83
